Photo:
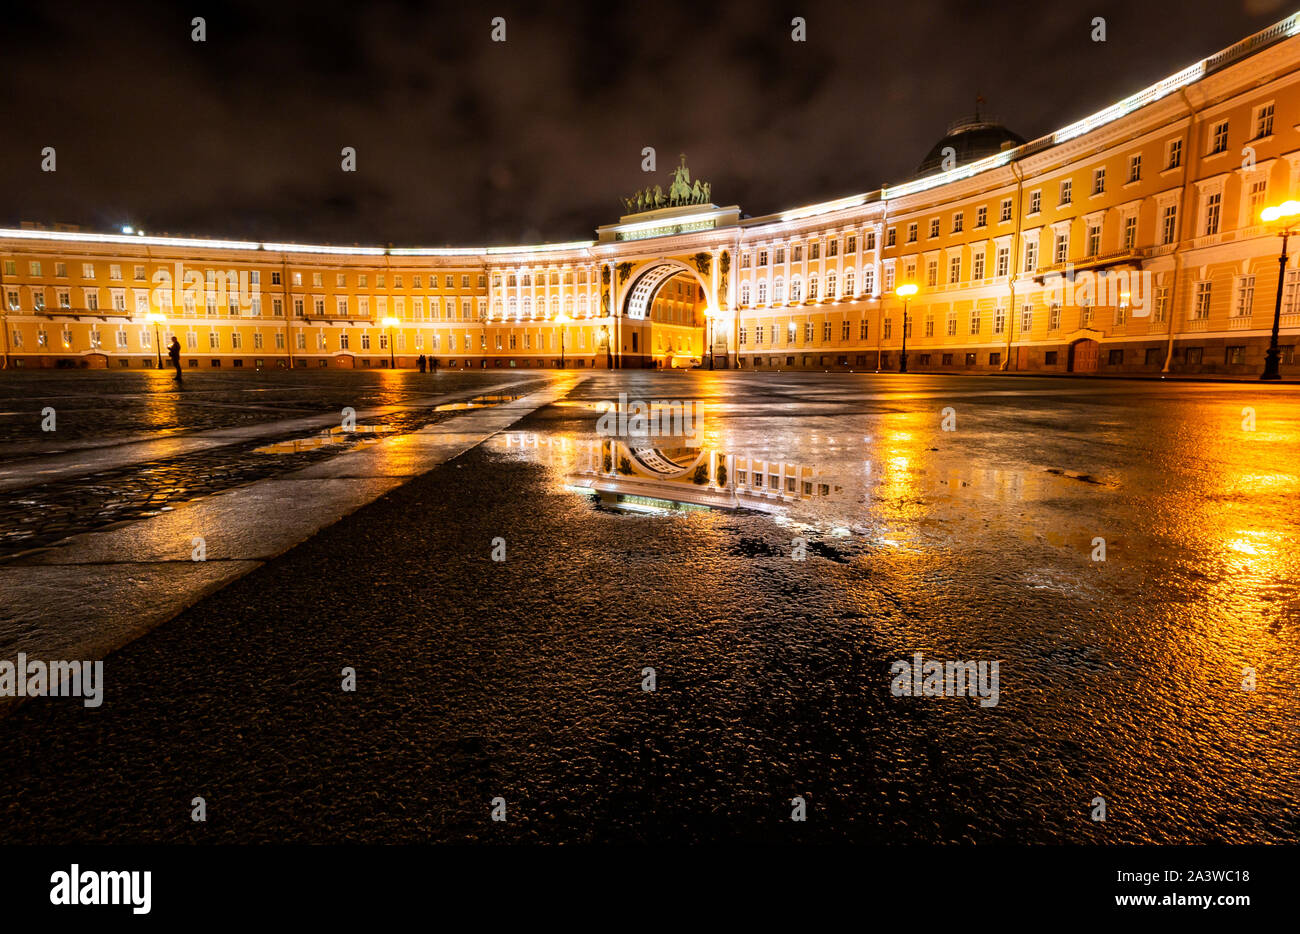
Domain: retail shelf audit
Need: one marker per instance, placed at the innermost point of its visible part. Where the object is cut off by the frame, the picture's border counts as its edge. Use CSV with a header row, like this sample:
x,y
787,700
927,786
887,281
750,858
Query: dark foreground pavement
x,y
522,679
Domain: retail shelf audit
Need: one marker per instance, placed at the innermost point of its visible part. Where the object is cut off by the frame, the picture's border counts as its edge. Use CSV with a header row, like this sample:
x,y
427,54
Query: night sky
x,y
464,141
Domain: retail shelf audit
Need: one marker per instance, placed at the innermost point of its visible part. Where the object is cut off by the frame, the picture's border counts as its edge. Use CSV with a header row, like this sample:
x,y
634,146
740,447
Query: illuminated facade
x,y
1129,242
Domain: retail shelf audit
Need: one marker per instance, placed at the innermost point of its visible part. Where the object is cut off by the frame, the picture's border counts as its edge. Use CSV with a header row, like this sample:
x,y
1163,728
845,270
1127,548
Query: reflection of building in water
x,y
628,473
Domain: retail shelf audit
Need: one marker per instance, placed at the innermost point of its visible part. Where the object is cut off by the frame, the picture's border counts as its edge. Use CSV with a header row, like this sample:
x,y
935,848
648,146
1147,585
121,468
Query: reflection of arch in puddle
x,y
684,475
668,463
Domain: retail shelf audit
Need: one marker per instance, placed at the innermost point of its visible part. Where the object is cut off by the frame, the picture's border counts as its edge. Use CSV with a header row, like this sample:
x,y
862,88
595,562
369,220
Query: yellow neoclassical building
x,y
1129,242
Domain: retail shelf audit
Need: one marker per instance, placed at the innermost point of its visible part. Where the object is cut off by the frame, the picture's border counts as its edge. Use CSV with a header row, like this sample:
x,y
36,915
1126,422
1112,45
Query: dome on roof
x,y
971,139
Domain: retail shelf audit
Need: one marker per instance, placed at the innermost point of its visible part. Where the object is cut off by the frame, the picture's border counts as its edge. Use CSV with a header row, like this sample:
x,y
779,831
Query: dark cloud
x,y
464,141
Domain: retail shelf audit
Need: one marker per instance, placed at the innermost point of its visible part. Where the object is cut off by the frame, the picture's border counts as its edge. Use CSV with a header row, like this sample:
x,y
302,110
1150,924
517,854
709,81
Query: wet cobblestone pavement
x,y
522,678
95,405
40,515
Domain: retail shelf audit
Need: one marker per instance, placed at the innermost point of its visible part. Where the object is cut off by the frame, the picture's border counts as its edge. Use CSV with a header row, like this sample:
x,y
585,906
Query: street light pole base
x,y
1271,361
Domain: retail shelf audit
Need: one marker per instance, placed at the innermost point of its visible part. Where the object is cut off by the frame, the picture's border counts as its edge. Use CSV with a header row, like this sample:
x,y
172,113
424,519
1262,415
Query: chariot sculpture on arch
x,y
681,192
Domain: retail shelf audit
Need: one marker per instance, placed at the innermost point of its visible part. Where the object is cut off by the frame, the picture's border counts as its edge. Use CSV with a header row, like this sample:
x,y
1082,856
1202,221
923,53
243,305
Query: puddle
x,y
478,402
333,436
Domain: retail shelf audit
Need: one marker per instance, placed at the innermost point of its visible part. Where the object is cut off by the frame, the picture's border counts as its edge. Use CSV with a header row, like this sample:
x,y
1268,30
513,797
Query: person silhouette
x,y
174,354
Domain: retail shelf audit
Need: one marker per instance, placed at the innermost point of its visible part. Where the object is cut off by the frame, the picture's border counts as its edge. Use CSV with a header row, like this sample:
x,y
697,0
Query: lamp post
x,y
1286,216
157,319
391,323
708,320
562,319
904,292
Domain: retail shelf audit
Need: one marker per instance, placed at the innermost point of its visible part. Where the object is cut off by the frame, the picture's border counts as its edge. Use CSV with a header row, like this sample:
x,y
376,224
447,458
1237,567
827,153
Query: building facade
x,y
1129,242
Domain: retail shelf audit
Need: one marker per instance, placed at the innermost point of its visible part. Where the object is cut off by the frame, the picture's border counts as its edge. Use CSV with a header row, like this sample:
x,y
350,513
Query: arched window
x,y
568,307
762,292
744,293
796,289
555,306
848,284
869,280
528,306
778,290
830,285
812,288
514,307
582,305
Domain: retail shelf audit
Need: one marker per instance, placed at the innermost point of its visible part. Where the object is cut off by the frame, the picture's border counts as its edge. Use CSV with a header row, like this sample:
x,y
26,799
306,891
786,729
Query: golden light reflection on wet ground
x,y
1127,558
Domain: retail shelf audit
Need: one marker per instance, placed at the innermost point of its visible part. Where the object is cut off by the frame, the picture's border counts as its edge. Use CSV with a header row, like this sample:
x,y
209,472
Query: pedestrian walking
x,y
419,361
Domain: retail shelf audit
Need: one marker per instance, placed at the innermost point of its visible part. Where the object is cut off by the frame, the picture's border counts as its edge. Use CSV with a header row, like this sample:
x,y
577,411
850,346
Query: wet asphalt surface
x,y
522,679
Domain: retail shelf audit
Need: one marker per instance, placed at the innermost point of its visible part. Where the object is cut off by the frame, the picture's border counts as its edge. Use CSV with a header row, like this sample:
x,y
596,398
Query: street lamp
x,y
157,319
391,323
709,314
562,319
904,292
1286,216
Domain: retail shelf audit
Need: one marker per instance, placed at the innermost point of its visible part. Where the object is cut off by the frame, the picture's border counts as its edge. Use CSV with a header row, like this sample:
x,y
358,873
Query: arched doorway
x,y
1084,355
663,315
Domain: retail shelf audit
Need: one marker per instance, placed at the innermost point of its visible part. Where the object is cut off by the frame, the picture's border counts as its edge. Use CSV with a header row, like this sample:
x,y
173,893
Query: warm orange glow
x,y
1287,210
907,290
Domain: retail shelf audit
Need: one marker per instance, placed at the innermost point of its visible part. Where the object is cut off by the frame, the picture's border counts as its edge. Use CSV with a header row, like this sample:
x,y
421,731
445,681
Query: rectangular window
x,y
1135,168
1099,181
1245,297
911,232
891,238
1212,204
1031,255
981,216
954,269
1264,121
1054,317
975,321
1035,202
1201,304
779,258
1067,189
1219,141
1005,215
1094,239
932,273
934,227
1175,158
1026,318
977,267
1003,261
999,320
1130,231
957,220
952,324
1061,249
1169,224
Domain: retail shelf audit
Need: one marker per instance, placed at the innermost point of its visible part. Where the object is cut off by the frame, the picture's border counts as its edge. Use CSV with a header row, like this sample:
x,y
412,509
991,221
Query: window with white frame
x,y
1201,302
1245,297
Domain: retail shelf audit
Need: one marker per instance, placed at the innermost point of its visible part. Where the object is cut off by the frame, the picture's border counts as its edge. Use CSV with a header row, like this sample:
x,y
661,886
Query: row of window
x,y
759,258
254,276
1216,142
